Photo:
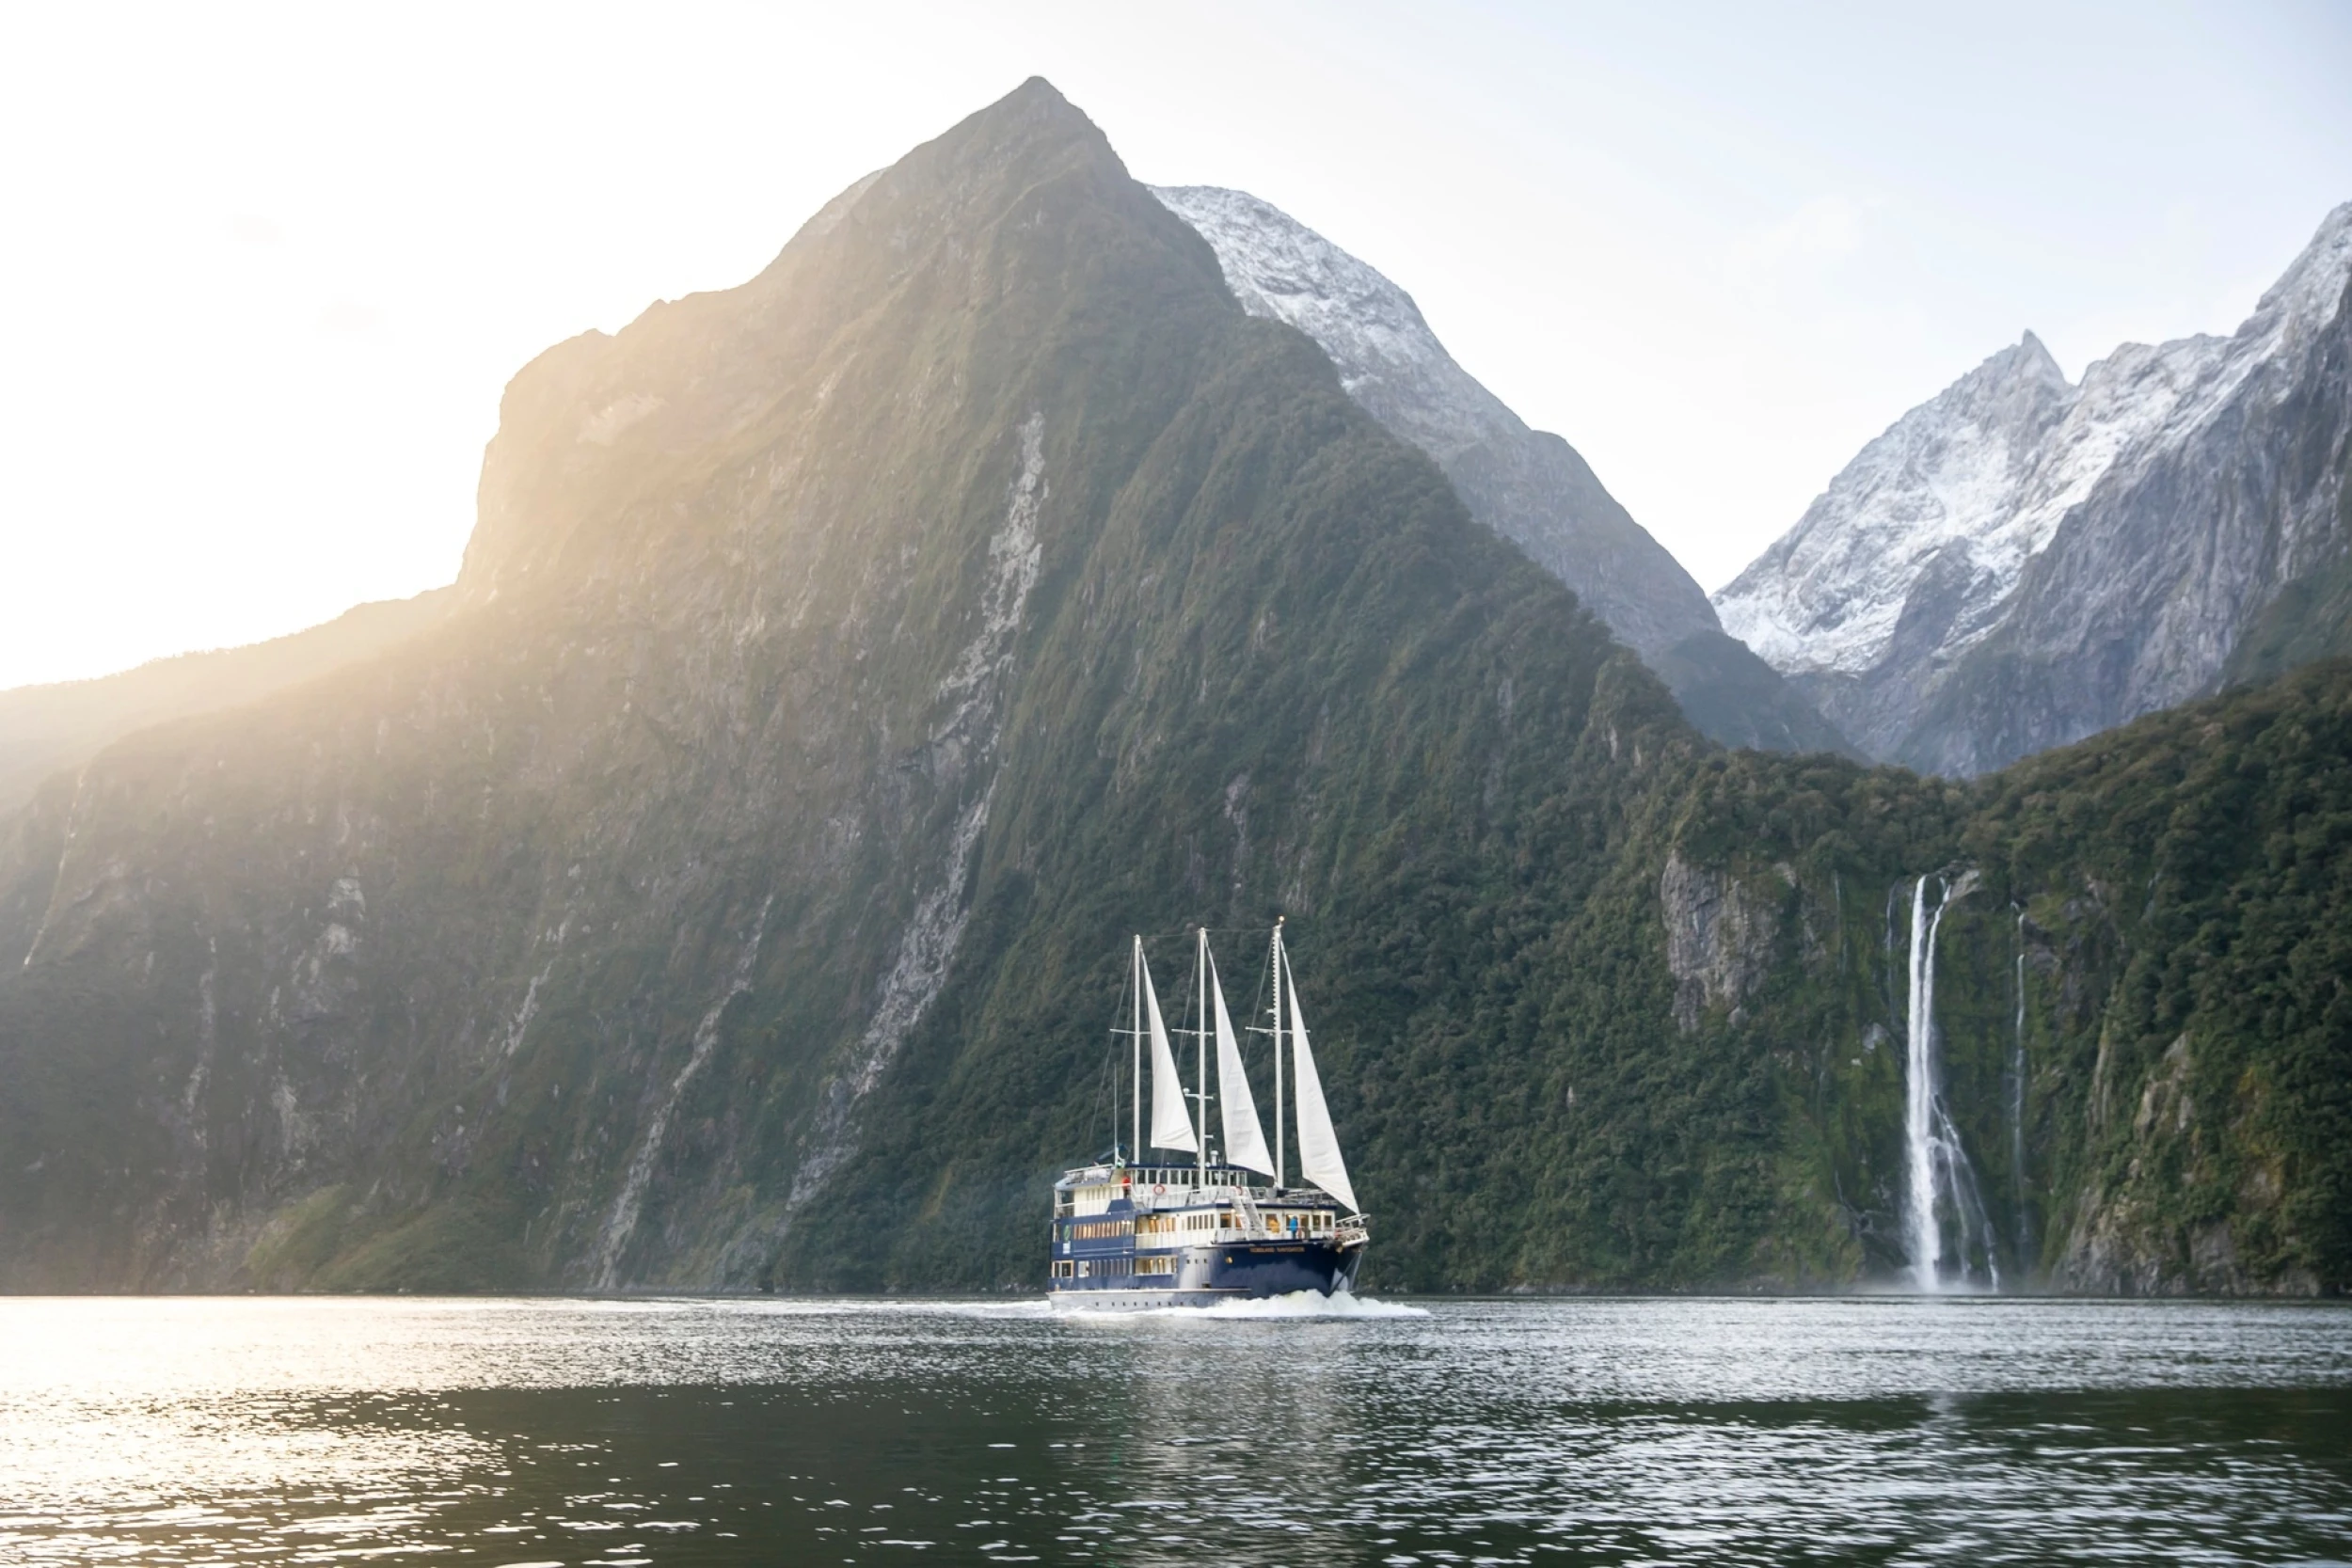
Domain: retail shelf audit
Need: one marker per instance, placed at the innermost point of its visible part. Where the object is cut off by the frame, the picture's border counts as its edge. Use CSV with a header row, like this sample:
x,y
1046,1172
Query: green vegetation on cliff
x,y
2140,997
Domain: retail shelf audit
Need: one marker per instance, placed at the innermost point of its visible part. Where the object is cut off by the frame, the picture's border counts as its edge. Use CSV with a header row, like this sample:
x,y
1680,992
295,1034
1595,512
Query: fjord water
x,y
721,1432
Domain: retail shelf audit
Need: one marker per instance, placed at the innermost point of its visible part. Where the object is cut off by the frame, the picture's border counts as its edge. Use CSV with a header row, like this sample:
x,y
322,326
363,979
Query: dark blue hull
x,y
1237,1271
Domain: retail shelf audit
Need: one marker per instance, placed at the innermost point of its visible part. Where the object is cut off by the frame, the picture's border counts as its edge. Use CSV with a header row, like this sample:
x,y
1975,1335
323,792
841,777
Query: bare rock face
x,y
2128,1237
1528,486
2020,563
1719,939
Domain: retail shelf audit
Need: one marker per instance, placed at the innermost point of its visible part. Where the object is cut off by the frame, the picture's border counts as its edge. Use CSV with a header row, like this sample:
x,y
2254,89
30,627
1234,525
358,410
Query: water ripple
x,y
701,1432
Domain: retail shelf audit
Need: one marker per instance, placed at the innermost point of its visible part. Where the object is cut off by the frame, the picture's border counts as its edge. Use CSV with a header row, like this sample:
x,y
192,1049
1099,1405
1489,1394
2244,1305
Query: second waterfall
x,y
1940,1182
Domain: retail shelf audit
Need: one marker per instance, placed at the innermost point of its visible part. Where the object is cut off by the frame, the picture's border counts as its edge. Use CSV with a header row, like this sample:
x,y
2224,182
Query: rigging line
x,y
1265,974
1107,1083
1101,1088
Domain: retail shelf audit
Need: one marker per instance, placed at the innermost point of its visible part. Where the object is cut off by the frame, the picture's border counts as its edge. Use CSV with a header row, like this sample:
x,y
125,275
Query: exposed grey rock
x,y
1719,938
2149,584
2126,1240
2020,563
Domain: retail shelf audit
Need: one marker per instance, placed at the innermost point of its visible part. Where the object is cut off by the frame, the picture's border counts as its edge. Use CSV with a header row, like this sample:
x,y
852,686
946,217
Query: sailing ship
x,y
1138,1233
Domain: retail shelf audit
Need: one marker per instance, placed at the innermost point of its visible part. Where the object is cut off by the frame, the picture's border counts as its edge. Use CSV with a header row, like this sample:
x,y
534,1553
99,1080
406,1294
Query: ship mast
x,y
1201,1050
1136,1039
1277,1053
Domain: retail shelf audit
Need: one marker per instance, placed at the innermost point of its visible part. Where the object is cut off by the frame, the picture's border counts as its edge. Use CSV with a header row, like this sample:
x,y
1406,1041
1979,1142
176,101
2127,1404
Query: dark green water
x,y
489,1433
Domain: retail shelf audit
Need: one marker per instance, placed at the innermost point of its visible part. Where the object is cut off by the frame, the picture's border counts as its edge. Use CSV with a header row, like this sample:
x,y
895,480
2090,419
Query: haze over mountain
x,y
1528,486
733,889
46,728
2021,562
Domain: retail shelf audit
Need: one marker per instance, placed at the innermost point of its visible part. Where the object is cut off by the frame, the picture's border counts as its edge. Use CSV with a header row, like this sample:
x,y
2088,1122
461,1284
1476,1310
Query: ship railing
x,y
1353,1231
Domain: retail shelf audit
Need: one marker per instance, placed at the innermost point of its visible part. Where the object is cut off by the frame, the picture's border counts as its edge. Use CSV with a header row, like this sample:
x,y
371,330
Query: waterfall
x,y
2017,1105
1940,1176
1921,1230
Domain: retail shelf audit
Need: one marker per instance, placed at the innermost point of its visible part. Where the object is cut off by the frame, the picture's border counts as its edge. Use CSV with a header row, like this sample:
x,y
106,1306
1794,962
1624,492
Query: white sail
x,y
1319,1159
1172,1118
1244,1140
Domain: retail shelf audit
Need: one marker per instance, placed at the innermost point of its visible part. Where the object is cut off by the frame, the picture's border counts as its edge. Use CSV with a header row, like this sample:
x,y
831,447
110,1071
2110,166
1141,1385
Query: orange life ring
x,y
1159,1189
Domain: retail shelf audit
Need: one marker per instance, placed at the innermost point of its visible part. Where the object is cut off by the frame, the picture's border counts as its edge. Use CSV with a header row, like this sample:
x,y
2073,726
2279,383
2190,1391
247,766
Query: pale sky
x,y
267,271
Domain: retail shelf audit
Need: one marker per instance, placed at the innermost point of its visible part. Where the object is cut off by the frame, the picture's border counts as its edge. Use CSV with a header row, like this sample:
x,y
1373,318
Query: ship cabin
x,y
1118,1224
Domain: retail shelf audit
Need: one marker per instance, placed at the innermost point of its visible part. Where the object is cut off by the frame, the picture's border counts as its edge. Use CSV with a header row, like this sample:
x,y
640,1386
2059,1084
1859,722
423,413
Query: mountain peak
x,y
1927,500
2132,495
2025,362
2309,294
1032,116
1025,198
2030,350
1036,101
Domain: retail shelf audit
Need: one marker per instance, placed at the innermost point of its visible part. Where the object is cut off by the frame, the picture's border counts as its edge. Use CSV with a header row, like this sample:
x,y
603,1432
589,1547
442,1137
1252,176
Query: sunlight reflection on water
x,y
688,1430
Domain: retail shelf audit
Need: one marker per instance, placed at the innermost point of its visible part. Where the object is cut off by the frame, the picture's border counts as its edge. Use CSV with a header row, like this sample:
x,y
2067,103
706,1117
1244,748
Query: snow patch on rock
x,y
1530,487
1388,358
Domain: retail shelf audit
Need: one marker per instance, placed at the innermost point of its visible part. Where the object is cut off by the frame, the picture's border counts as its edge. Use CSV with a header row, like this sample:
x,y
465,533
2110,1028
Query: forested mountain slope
x,y
734,891
837,660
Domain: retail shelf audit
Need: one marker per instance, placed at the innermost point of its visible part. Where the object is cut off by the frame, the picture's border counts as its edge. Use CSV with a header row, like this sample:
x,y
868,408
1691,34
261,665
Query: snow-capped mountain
x,y
2021,562
1528,486
1968,487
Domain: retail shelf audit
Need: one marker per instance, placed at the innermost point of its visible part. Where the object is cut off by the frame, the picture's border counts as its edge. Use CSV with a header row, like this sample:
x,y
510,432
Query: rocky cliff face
x,y
2020,561
1719,938
1528,486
